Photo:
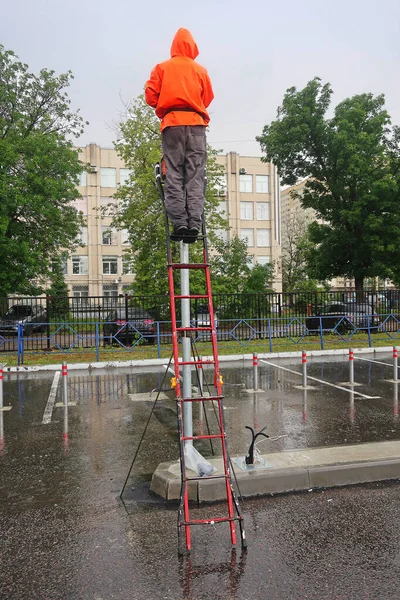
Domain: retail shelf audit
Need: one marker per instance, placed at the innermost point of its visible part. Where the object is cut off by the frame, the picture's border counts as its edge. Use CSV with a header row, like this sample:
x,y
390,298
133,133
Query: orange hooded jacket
x,y
180,83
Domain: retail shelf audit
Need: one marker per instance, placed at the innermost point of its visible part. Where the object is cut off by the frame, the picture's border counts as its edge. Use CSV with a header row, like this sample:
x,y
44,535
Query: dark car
x,y
344,317
126,326
31,317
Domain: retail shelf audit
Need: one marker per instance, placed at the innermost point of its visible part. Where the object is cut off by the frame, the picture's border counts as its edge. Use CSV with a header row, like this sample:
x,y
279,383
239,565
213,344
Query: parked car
x,y
31,317
344,316
126,326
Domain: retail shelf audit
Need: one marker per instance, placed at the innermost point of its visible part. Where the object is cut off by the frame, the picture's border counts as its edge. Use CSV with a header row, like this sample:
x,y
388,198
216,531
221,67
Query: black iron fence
x,y
48,323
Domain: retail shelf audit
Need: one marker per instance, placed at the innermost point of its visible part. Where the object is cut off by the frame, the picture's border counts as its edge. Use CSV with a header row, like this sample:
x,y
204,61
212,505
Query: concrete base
x,y
290,471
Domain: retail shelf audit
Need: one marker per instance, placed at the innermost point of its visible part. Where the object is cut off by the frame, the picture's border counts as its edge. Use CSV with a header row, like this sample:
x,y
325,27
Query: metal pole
x,y
1,410
304,364
395,364
351,366
1,387
200,376
186,369
255,371
396,402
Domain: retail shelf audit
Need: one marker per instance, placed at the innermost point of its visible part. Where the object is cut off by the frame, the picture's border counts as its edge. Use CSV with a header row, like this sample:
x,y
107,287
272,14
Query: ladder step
x,y
204,398
189,265
217,436
226,476
196,362
191,296
194,329
211,521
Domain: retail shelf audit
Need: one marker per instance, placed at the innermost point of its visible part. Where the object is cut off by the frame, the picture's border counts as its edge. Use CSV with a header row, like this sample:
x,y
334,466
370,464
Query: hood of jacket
x,y
183,44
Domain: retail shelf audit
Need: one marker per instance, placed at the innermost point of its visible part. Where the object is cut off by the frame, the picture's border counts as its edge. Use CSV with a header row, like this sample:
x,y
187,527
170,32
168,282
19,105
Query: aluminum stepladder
x,y
233,509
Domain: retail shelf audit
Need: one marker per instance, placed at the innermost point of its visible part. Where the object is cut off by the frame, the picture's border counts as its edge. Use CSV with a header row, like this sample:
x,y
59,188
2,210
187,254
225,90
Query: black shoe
x,y
178,233
191,235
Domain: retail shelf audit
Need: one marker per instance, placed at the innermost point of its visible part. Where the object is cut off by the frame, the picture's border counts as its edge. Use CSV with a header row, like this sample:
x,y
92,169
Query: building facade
x,y
250,198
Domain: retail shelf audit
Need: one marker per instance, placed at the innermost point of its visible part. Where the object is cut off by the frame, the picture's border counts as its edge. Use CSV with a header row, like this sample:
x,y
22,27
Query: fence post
x,y
97,340
255,370
351,366
395,364
158,340
304,365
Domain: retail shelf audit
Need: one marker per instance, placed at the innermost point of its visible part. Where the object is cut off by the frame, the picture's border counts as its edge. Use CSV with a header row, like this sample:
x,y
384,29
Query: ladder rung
x,y
190,296
196,362
194,329
211,521
204,398
216,436
189,265
226,476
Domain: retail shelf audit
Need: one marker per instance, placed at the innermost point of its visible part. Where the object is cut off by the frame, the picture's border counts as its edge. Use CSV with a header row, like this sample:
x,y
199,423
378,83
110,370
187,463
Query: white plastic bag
x,y
196,462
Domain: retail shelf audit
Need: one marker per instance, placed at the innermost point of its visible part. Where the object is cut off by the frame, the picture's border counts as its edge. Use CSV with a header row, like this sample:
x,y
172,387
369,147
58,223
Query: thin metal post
x,y
351,366
396,402
255,370
200,376
395,364
1,387
304,365
186,346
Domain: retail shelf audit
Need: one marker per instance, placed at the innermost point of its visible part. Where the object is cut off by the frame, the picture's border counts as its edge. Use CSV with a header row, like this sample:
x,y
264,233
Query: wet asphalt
x,y
65,534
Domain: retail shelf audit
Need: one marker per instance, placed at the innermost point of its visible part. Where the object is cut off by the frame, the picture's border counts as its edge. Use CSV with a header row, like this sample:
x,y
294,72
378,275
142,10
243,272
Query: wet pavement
x,y
66,535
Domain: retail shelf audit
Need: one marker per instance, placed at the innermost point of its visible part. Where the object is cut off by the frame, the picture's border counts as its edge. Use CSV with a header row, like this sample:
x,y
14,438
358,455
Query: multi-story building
x,y
252,203
98,268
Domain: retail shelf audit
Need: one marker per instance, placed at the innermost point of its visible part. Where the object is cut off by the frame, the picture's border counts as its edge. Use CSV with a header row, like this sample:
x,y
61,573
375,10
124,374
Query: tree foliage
x,y
230,266
39,171
140,209
353,163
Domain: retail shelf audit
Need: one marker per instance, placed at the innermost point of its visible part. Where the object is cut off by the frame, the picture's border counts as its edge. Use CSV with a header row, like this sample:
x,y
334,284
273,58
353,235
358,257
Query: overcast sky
x,y
253,51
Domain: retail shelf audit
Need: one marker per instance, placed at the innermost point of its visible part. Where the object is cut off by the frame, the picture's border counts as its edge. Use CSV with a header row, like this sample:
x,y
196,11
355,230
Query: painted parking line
x,y
377,362
338,387
48,411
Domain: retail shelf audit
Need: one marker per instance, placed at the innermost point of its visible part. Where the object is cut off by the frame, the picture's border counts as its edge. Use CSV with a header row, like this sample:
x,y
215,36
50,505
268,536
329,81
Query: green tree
x,y
230,266
260,279
140,209
39,171
352,161
58,290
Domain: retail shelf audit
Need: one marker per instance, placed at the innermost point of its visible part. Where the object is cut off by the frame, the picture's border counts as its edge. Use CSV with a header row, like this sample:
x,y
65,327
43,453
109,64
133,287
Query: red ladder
x,y
233,509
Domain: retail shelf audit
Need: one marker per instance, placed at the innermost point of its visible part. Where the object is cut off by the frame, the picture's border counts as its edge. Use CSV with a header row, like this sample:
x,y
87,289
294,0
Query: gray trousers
x,y
185,155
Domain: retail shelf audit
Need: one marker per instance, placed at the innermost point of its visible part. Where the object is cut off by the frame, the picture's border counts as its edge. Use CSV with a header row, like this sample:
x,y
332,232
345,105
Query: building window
x,y
81,204
263,238
246,211
124,176
126,266
262,211
108,177
263,260
110,290
79,265
108,236
60,264
83,178
83,236
262,184
246,183
250,264
110,265
220,185
80,295
124,237
249,234
106,200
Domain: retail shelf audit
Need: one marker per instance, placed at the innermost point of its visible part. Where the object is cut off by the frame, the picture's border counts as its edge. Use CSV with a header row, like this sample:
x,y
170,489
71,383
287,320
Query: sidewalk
x,y
297,470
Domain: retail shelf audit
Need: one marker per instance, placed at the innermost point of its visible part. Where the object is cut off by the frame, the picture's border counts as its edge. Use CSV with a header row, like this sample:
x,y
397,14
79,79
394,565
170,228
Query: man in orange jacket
x,y
180,90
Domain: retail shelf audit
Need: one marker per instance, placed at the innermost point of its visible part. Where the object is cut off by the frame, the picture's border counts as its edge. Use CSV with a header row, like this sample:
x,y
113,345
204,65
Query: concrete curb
x,y
153,362
297,470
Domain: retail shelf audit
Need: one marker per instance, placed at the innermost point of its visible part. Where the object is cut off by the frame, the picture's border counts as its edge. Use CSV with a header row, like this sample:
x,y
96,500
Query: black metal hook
x,y
250,457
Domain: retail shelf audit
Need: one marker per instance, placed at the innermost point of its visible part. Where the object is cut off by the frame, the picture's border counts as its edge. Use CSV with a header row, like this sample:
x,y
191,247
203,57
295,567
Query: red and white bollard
x,y
64,373
255,371
304,365
351,366
395,364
